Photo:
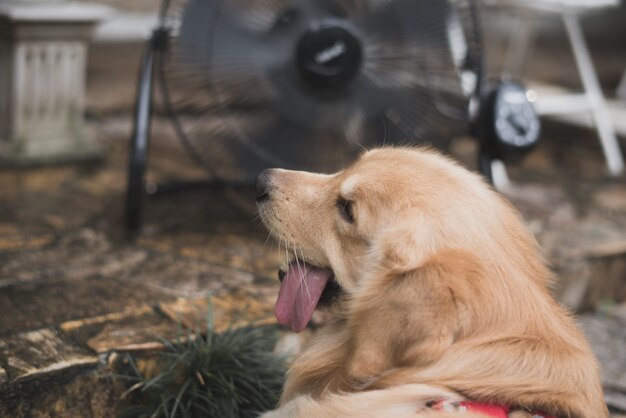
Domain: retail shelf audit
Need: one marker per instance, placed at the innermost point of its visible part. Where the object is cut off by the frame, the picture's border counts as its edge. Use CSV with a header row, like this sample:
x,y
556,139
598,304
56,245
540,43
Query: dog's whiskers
x,y
301,270
295,254
286,242
306,286
269,235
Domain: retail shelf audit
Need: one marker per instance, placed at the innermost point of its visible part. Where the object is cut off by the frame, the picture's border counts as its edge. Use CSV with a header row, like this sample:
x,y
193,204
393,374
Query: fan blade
x,y
408,45
395,19
419,114
356,7
259,16
222,43
238,51
279,143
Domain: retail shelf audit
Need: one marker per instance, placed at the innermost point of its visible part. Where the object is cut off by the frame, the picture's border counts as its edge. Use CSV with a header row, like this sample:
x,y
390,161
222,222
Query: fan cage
x,y
170,18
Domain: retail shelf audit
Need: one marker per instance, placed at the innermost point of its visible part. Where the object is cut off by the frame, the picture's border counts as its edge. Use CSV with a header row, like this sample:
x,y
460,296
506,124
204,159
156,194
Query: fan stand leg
x,y
485,161
139,142
494,170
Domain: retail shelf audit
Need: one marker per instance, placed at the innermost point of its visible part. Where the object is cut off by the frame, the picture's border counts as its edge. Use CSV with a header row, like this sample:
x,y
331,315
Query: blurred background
x,y
78,286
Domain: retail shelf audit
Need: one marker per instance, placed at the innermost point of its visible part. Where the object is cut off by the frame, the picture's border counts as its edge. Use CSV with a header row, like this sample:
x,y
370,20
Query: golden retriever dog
x,y
439,297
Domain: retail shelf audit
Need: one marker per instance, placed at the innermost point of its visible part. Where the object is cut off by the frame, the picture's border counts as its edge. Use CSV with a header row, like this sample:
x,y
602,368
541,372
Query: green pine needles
x,y
231,374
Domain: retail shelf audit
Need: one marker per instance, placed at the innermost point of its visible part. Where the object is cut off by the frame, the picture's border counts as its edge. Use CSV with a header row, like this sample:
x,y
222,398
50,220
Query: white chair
x,y
592,100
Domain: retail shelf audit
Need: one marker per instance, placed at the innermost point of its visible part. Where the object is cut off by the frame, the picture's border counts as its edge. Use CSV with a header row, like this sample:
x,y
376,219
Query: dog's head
x,y
392,210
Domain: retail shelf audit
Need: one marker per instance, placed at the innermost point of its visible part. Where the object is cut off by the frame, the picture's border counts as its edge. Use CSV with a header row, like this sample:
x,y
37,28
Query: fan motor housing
x,y
328,56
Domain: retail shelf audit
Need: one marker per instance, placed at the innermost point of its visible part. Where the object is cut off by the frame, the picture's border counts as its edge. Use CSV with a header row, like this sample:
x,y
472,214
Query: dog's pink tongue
x,y
300,291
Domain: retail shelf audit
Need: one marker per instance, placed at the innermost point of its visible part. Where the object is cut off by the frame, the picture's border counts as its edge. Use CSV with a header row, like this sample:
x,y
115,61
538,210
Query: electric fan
x,y
306,84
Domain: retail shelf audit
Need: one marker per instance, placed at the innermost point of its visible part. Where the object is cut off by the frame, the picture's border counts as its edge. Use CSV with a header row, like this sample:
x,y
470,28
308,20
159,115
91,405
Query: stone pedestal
x,y
43,52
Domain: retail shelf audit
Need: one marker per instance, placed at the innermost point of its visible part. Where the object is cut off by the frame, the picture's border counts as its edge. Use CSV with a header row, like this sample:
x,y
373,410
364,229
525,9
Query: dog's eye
x,y
345,209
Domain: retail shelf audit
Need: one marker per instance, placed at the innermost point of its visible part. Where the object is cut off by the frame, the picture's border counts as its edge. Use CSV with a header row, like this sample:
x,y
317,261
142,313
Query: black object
x,y
305,84
508,126
141,132
329,56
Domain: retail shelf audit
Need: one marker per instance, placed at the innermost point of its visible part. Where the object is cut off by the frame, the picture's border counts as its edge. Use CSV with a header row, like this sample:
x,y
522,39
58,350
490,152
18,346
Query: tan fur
x,y
444,288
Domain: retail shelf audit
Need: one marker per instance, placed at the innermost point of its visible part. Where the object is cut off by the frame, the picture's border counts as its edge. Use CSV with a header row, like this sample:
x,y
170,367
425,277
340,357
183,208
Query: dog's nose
x,y
263,186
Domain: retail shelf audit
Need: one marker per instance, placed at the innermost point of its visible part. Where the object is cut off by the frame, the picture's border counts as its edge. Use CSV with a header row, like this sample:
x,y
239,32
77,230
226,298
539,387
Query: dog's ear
x,y
404,247
410,311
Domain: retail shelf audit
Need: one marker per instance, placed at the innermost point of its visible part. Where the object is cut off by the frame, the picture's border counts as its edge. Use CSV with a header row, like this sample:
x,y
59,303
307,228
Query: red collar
x,y
495,411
